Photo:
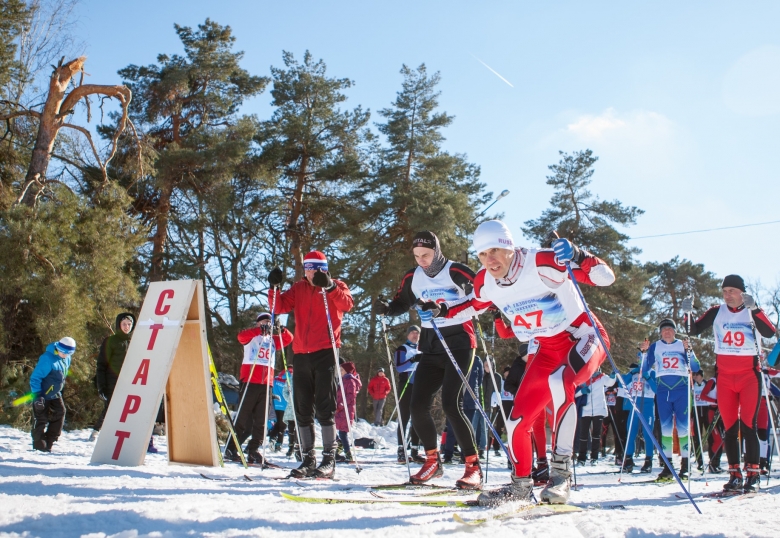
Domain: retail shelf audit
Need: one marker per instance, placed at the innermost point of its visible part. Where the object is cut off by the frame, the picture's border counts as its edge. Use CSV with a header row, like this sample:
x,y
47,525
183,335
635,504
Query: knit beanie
x,y
492,234
411,329
315,260
667,323
66,345
263,316
734,281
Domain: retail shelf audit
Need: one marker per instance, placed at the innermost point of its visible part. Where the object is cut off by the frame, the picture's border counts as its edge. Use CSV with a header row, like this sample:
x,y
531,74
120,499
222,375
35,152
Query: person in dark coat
x,y
352,385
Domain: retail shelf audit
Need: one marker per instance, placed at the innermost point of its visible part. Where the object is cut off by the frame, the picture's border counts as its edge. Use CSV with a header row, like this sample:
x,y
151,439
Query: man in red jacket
x,y
257,377
379,388
314,377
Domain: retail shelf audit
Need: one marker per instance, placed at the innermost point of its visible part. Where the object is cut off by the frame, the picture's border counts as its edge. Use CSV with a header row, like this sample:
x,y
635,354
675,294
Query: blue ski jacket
x,y
48,378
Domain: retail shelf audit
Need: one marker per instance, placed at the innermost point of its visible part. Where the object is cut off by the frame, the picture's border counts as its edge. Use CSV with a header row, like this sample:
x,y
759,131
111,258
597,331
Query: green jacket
x,y
111,357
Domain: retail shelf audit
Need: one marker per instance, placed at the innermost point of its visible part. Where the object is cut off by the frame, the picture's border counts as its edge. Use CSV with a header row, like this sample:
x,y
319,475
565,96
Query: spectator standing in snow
x,y
378,389
351,380
593,412
46,384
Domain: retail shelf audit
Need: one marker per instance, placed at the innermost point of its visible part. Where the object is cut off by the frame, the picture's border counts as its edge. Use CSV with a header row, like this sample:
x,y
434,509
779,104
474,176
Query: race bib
x,y
536,316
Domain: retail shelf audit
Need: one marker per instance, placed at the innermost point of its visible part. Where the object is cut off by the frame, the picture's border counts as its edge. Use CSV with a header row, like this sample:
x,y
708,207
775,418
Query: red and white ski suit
x,y
544,308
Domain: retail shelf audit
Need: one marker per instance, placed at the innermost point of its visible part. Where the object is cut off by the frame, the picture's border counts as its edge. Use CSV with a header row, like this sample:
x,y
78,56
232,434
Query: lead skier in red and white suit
x,y
532,288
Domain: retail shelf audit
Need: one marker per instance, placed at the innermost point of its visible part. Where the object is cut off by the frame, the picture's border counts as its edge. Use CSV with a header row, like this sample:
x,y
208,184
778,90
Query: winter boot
x,y
297,451
519,489
541,475
752,478
151,449
683,468
416,457
431,468
232,455
619,461
401,456
40,444
557,489
277,447
665,475
327,468
307,467
254,456
648,466
481,454
628,465
290,451
472,476
735,479
93,436
763,465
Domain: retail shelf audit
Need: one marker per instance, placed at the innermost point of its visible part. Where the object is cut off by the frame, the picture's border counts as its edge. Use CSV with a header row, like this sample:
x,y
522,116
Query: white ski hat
x,y
492,234
66,345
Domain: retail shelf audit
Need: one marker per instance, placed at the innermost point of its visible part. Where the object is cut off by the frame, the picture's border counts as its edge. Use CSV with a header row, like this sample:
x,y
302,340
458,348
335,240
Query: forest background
x,y
180,183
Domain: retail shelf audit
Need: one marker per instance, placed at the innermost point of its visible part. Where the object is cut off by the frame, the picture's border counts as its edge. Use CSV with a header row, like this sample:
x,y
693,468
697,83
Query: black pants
x,y
102,417
277,433
314,388
47,422
586,423
404,404
433,372
697,430
252,417
610,422
291,435
498,423
621,420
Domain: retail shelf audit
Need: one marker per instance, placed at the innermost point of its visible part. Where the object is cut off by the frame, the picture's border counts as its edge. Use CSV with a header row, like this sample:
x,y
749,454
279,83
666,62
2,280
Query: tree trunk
x,y
294,231
157,271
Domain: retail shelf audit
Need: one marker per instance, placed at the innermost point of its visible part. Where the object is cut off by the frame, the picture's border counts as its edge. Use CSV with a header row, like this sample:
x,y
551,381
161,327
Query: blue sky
x,y
679,100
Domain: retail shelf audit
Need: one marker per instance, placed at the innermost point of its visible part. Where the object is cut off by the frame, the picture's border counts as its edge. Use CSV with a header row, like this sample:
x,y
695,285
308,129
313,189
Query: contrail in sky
x,y
493,71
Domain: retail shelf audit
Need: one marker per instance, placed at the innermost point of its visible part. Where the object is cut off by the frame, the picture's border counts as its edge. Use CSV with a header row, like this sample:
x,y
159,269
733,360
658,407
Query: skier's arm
x,y
283,301
704,322
402,361
762,323
649,361
341,296
587,269
502,327
705,392
462,276
695,364
474,304
404,298
41,370
245,336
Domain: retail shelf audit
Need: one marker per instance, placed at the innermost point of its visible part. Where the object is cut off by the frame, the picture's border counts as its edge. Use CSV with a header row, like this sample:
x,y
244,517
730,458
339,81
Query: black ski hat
x,y
667,323
734,281
426,239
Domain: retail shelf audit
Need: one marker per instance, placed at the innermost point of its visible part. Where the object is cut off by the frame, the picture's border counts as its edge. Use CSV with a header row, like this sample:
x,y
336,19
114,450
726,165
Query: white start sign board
x,y
167,356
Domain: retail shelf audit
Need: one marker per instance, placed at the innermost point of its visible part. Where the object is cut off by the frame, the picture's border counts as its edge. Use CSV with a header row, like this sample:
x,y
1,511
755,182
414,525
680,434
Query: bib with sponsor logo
x,y
670,359
635,387
697,388
534,309
734,332
260,351
440,288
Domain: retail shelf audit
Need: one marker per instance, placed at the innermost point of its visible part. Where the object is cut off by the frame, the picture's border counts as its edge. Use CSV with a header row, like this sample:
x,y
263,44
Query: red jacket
x,y
311,324
260,375
379,387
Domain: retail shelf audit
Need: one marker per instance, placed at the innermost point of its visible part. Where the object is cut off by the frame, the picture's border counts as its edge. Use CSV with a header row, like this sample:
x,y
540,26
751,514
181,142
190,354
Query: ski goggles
x,y
313,265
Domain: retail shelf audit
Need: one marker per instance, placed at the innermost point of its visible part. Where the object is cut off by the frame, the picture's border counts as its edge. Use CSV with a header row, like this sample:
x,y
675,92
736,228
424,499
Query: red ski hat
x,y
315,260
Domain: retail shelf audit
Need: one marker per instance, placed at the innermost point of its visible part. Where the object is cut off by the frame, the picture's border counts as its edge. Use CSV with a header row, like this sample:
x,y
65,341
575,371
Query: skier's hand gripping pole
x,y
620,379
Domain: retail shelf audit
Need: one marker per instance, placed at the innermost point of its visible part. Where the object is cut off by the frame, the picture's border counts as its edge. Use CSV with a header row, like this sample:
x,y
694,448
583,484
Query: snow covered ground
x,y
61,494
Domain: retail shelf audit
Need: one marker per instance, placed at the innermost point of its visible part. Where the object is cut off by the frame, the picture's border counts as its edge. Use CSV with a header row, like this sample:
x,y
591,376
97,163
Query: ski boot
x,y
447,460
735,479
327,468
415,455
628,465
278,447
541,475
752,478
594,462
431,468
472,476
401,456
481,454
254,456
232,455
151,449
557,489
307,467
93,436
648,466
683,468
290,451
763,465
619,461
519,489
665,475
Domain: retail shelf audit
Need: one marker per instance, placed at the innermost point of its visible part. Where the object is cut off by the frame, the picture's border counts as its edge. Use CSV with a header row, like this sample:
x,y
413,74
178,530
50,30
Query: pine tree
x,y
590,222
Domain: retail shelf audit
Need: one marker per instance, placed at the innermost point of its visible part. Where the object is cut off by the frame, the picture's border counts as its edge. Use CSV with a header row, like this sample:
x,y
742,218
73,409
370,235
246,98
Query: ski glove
x,y
322,279
565,251
275,277
748,301
103,396
687,304
431,309
381,307
265,330
585,390
39,404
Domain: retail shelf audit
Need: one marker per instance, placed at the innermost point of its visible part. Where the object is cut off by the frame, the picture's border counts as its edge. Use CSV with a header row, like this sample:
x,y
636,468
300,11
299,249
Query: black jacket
x,y
517,371
112,355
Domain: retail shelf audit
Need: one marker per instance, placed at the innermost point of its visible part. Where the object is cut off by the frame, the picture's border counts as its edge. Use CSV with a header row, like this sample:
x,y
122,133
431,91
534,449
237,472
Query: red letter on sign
x,y
143,372
152,339
121,436
162,309
132,404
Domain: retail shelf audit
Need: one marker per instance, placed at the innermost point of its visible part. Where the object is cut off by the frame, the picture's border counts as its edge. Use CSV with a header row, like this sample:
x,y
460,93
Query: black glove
x,y
496,313
439,310
276,277
322,279
415,358
381,307
103,396
39,404
265,330
550,238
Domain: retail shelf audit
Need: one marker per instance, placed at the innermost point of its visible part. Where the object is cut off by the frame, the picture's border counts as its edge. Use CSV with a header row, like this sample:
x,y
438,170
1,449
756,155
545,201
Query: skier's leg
x,y
325,387
664,401
428,379
584,429
596,438
452,401
56,409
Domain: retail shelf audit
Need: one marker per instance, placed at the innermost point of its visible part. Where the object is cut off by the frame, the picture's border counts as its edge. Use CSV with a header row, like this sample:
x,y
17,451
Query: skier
x,y
641,389
532,288
437,278
110,359
670,359
407,356
46,384
257,374
739,385
351,380
593,413
709,394
378,388
314,379
280,405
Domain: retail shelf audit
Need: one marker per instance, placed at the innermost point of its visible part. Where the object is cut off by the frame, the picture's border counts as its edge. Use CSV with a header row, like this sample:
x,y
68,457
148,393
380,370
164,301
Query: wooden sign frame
x,y
167,356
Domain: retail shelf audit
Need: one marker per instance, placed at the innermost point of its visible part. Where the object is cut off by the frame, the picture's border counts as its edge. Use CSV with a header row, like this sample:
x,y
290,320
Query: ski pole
x,y
690,392
756,337
268,367
634,409
615,433
617,372
341,382
225,411
397,399
471,392
292,394
401,396
489,358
